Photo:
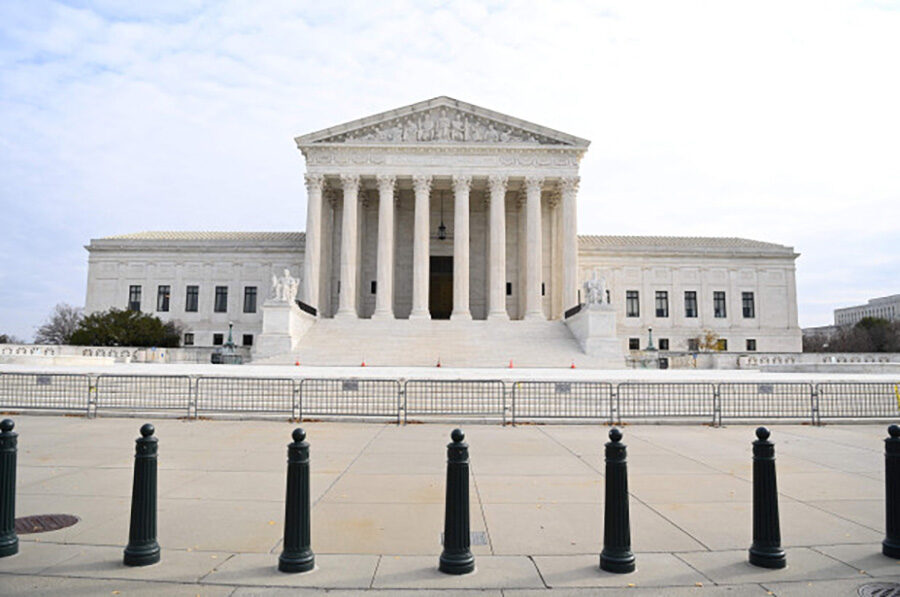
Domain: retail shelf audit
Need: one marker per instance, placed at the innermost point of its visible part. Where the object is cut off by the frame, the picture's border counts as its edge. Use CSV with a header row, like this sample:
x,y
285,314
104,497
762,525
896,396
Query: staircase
x,y
337,342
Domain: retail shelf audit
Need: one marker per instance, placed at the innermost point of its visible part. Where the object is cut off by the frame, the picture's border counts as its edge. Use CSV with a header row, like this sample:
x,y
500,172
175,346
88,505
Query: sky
x,y
776,121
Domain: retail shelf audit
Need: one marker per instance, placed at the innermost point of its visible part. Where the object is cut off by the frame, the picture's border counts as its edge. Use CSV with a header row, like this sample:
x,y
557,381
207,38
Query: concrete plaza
x,y
536,501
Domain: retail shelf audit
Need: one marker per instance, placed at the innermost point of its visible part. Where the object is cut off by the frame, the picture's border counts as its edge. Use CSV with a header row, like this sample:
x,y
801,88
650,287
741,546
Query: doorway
x,y
440,287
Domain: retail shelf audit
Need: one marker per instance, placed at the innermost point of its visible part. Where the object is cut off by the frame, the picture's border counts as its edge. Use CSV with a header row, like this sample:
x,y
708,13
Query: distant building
x,y
886,307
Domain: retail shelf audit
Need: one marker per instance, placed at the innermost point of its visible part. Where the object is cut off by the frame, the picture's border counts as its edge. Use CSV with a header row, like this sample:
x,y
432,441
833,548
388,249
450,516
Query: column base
x,y
460,316
535,316
419,315
498,316
346,315
382,315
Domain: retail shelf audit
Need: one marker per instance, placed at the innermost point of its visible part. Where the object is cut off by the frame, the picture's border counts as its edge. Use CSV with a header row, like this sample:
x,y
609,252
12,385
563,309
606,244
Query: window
x,y
217,339
134,298
632,304
247,340
189,339
751,344
373,287
664,344
249,299
221,305
662,303
192,299
722,344
162,298
719,304
748,304
693,345
634,344
509,289
543,289
690,303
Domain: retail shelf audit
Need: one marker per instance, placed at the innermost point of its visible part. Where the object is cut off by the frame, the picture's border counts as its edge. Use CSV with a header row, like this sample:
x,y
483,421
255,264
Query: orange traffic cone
x,y
296,363
510,364
572,366
363,364
439,362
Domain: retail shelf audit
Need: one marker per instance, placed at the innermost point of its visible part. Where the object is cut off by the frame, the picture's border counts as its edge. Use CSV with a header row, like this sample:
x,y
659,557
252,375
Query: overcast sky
x,y
774,121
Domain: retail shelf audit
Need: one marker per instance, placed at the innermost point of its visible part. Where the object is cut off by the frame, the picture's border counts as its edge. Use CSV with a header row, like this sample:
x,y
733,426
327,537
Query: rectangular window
x,y
218,339
162,298
509,289
693,345
634,344
221,305
722,344
249,299
134,298
751,344
247,340
632,304
188,338
690,303
664,344
192,299
662,303
543,289
719,304
748,304
373,288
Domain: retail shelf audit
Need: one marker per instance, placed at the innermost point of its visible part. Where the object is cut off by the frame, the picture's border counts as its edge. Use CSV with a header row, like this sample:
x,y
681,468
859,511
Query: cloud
x,y
774,121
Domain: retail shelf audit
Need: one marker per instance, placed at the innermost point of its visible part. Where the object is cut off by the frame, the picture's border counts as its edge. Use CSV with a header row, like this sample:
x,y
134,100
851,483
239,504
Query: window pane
x,y
248,340
719,304
188,339
192,299
250,299
217,339
221,305
662,303
634,344
162,298
690,303
748,304
664,344
134,298
751,344
632,304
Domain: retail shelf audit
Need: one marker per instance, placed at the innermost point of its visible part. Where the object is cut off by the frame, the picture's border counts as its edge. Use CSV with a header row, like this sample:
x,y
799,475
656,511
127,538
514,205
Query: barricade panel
x,y
350,397
52,391
859,400
143,392
481,398
561,399
770,400
645,400
245,395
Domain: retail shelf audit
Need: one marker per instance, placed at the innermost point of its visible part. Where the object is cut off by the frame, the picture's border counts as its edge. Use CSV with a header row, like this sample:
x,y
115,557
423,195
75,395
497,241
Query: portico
x,y
441,179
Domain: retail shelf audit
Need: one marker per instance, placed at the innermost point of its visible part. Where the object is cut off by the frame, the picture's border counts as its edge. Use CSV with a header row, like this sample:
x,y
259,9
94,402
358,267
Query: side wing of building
x,y
204,280
742,290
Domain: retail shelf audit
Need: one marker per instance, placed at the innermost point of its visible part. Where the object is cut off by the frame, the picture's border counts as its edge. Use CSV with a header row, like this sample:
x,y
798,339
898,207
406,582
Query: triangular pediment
x,y
441,120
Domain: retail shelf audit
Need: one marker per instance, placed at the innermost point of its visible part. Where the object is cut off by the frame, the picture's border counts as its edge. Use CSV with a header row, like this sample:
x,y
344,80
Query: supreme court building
x,y
443,210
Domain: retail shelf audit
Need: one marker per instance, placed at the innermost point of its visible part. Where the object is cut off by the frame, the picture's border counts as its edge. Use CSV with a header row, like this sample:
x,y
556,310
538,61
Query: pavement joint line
x,y
340,476
539,573
837,559
487,530
216,567
844,518
375,572
694,568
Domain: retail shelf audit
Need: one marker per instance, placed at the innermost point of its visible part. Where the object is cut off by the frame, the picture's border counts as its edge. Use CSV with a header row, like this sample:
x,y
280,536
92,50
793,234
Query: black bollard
x,y
457,558
766,550
297,555
891,544
9,542
143,548
616,555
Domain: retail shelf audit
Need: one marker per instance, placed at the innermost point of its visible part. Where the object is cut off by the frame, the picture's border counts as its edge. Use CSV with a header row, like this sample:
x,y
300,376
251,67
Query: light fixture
x,y
442,230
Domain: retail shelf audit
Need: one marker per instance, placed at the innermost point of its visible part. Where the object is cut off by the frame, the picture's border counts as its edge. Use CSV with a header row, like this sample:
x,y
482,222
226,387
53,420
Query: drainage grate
x,y
42,523
879,589
475,538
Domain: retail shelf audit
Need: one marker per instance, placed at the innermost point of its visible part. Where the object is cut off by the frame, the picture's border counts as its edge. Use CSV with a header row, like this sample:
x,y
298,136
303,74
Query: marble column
x,y
421,248
497,251
312,257
569,189
349,256
384,291
461,187
533,265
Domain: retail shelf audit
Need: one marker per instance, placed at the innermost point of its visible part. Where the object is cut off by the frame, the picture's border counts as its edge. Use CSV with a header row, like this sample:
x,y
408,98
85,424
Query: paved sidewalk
x,y
536,495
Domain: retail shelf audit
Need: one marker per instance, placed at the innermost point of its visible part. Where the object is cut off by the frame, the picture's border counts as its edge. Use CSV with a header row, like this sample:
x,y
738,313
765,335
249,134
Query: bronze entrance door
x,y
440,287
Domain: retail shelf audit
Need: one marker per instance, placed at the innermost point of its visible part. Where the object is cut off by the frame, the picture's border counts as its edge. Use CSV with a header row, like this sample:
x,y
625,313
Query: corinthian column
x,y
461,187
569,188
497,270
422,185
384,292
533,265
312,256
349,263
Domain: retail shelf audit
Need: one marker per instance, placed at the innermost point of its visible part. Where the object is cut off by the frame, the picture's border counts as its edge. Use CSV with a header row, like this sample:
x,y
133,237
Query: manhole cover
x,y
42,523
879,589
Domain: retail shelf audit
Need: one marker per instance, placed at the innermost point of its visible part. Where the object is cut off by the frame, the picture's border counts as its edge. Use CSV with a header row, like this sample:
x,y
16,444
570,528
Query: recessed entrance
x,y
440,287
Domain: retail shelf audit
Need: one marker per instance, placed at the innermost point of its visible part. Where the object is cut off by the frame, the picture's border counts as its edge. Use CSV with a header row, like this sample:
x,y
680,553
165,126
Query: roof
x,y
679,243
179,235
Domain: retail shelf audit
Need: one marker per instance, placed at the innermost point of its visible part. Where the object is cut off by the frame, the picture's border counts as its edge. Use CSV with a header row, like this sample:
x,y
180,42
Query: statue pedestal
x,y
594,327
284,324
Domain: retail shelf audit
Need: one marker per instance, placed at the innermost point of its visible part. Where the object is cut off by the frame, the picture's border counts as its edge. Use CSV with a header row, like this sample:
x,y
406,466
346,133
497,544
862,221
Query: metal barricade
x,y
350,397
49,391
858,400
465,398
246,395
561,400
675,400
767,400
144,393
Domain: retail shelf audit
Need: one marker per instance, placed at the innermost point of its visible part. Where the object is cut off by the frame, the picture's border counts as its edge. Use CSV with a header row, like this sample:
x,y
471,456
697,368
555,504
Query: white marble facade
x,y
505,191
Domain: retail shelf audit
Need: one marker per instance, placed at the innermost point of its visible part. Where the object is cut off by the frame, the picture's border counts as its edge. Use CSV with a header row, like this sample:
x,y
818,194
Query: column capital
x,y
533,183
330,195
422,183
386,183
314,182
498,183
554,198
462,183
349,181
569,184
520,199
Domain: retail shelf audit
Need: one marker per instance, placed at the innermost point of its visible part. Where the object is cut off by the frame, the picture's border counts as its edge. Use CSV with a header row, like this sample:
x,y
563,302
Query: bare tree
x,y
59,328
10,339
